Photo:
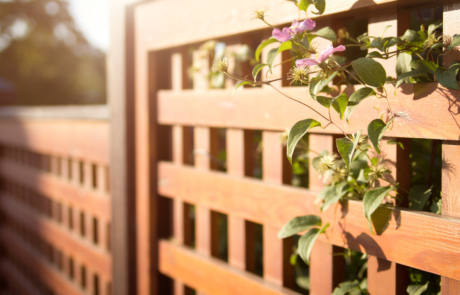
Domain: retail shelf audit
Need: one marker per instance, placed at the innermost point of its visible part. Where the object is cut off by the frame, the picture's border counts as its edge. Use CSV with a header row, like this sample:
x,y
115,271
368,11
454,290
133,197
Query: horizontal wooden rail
x,y
210,275
69,138
422,111
44,271
218,19
417,239
57,189
57,235
16,280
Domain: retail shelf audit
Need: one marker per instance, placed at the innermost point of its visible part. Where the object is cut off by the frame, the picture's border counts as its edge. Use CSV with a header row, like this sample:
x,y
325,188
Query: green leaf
x,y
339,191
403,63
293,259
303,282
303,4
263,45
297,132
410,36
434,47
241,84
455,42
324,101
372,200
317,86
326,33
436,207
356,98
419,195
417,289
325,192
393,41
320,5
374,161
346,148
299,224
307,241
404,76
433,27
275,51
424,66
340,103
448,78
271,57
396,142
257,69
374,54
370,71
346,287
376,130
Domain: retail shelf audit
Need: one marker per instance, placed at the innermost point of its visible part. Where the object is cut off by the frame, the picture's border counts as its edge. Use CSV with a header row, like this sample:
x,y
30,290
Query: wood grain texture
x,y
56,235
450,199
418,239
417,116
44,271
276,268
211,275
59,191
78,139
450,174
214,20
326,266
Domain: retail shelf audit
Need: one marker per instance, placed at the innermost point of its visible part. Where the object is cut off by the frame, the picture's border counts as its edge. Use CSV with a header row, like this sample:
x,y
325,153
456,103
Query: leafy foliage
x,y
359,173
45,58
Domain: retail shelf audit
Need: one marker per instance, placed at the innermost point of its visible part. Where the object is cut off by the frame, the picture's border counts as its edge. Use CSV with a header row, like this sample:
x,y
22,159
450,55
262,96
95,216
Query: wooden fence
x,y
54,201
180,200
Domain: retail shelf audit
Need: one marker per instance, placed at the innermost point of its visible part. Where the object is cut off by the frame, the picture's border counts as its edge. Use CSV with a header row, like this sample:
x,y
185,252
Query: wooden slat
x,y
213,20
272,172
211,275
236,225
326,265
16,279
450,150
178,158
406,234
418,116
380,271
450,199
57,235
79,139
53,187
43,270
202,137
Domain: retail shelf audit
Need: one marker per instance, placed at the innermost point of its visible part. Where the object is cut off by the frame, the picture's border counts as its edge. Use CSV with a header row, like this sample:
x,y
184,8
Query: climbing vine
x,y
357,172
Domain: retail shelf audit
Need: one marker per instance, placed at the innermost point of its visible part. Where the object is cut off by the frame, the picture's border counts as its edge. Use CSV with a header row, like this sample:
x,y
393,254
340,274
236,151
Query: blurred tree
x,y
46,58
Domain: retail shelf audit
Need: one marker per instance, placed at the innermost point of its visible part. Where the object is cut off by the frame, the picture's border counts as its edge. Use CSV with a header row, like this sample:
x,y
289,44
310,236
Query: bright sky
x,y
92,18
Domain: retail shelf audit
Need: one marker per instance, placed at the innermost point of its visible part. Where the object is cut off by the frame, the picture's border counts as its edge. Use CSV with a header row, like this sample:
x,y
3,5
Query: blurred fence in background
x,y
54,201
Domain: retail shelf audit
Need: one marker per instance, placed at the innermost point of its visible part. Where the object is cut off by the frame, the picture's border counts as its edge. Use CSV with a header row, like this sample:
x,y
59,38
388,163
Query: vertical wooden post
x,y
202,142
380,272
121,98
450,150
236,225
178,153
276,269
326,269
450,199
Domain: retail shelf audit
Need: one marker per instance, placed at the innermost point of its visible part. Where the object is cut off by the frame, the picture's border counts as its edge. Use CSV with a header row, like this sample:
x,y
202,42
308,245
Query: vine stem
x,y
304,104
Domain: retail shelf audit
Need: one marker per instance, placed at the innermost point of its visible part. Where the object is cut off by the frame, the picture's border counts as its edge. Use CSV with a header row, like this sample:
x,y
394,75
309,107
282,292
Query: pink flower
x,y
295,28
322,57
